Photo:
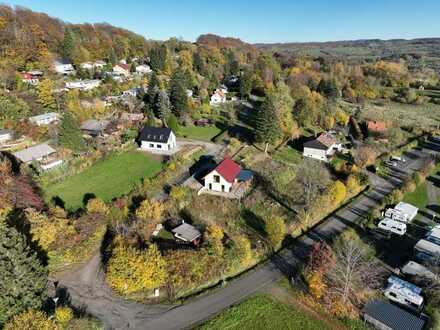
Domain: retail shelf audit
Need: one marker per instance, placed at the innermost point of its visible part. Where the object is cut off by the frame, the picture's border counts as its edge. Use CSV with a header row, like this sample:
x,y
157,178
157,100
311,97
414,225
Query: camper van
x,y
404,293
427,251
396,215
393,226
412,268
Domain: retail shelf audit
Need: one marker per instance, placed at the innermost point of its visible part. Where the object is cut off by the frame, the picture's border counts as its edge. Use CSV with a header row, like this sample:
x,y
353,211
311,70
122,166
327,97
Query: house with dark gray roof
x,y
322,148
157,139
385,316
94,127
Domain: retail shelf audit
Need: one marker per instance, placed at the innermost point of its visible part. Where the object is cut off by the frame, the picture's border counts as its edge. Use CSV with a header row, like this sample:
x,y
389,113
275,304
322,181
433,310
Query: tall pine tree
x,y
152,91
163,106
267,127
178,96
23,278
69,45
70,135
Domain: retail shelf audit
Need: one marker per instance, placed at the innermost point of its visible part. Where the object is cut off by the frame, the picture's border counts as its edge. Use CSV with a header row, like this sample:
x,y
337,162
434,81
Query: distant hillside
x,y
222,42
357,50
27,36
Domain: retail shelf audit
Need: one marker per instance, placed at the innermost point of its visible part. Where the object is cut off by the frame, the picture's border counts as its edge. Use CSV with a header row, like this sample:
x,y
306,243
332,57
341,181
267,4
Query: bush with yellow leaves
x,y
150,210
31,320
63,315
96,206
316,284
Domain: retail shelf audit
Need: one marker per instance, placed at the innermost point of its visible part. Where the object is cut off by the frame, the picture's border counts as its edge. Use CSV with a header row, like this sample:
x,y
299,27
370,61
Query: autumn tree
x,y
150,210
275,229
28,290
337,193
284,108
244,249
131,270
355,270
45,94
267,127
214,236
96,206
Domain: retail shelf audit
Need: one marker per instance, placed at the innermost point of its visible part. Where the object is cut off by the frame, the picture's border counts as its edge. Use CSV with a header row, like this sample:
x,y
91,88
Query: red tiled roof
x,y
377,126
228,169
327,139
124,66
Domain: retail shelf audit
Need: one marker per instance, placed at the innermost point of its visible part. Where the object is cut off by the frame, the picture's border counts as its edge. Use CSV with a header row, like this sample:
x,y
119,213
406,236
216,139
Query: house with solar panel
x,y
157,139
228,178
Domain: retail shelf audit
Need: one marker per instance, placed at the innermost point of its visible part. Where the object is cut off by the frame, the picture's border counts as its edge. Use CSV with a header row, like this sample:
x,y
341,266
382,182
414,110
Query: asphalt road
x,y
87,288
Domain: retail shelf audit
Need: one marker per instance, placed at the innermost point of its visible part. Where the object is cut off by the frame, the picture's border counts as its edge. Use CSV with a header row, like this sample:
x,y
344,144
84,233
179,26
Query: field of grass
x,y
111,177
206,133
287,155
418,197
262,312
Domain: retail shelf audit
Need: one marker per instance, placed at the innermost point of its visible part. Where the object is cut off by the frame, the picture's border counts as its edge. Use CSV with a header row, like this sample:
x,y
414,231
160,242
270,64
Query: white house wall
x,y
315,153
217,186
157,146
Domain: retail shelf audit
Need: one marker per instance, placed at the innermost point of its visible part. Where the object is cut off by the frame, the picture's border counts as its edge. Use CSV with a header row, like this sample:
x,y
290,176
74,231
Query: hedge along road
x,y
86,286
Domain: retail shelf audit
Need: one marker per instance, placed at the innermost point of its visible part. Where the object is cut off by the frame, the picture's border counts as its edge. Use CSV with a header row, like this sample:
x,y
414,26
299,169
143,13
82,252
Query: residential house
x,y
31,77
122,69
6,135
84,85
143,69
322,148
131,117
187,233
45,118
385,316
44,154
92,65
218,97
63,67
94,127
376,128
227,177
134,92
157,139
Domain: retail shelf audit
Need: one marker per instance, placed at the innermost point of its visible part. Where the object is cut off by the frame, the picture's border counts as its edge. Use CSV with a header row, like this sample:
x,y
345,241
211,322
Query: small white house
x,y
157,139
322,148
6,135
63,67
143,69
45,119
92,65
223,177
218,97
83,85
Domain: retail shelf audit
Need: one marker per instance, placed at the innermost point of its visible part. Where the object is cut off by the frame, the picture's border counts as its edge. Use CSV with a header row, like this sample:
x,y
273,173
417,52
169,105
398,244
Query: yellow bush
x,y
63,315
150,210
31,320
316,284
97,206
337,193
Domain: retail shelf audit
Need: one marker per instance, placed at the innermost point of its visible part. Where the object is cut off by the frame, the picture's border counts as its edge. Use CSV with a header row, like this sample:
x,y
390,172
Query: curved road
x,y
87,288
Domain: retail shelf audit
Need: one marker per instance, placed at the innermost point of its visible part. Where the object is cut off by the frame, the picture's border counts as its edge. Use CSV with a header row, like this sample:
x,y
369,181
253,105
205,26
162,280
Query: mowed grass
x,y
418,197
262,312
111,177
202,133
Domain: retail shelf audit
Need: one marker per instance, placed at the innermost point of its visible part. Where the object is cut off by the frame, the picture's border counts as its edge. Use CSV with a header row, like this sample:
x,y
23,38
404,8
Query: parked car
x,y
393,226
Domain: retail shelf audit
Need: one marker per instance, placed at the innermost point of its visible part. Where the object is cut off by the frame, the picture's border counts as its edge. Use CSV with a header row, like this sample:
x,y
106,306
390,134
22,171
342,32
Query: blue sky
x,y
257,20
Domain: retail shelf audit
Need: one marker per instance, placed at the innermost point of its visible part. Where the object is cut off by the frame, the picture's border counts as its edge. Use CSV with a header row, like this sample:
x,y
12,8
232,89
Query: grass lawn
x,y
287,155
111,177
203,133
418,197
262,312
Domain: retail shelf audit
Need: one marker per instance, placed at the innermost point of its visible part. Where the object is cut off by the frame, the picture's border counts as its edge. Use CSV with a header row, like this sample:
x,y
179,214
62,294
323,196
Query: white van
x,y
404,293
393,226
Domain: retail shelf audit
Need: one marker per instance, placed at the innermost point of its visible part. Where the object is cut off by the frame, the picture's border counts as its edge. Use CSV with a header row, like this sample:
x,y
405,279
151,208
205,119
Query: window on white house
x,y
159,146
217,178
151,145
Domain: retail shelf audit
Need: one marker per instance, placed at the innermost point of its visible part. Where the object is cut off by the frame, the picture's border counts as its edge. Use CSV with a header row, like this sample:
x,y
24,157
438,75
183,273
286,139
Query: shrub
x,y
63,315
32,320
150,210
276,230
96,206
316,284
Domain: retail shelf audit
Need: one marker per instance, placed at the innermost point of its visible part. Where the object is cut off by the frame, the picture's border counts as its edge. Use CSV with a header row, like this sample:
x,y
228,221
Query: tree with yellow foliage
x,y
131,270
45,94
97,206
341,117
214,236
276,230
337,193
316,284
63,315
150,210
244,249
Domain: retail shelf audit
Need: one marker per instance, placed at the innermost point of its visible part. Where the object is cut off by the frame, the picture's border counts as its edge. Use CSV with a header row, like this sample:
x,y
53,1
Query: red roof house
x,y
223,177
228,169
377,127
